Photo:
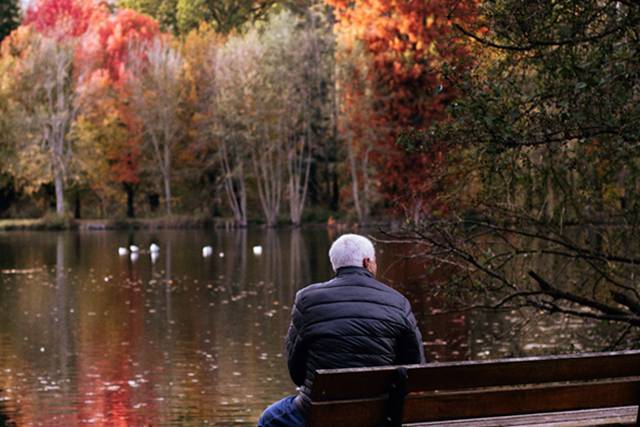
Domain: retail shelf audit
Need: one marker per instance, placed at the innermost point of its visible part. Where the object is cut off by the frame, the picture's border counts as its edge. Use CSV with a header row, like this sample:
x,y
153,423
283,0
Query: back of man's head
x,y
350,250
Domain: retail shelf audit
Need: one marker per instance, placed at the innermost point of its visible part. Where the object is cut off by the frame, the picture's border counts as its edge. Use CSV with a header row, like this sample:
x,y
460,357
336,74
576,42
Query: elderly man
x,y
350,321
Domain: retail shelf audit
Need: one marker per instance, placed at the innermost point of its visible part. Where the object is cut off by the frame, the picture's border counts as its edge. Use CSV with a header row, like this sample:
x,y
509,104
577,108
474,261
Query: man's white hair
x,y
350,250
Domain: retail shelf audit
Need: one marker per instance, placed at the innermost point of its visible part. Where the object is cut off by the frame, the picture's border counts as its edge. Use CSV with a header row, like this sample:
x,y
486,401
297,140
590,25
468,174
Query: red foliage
x,y
61,18
408,43
110,42
106,54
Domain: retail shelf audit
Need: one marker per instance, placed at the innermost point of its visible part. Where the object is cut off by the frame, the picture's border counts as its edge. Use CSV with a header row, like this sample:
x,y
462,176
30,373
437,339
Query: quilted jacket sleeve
x,y
410,346
295,346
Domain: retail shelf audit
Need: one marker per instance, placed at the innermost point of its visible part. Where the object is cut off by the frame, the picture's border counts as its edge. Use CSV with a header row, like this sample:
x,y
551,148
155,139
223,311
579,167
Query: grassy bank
x,y
53,223
56,224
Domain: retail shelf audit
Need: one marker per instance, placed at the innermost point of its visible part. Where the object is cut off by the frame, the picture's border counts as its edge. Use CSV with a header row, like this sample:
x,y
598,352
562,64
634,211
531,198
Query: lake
x,y
89,337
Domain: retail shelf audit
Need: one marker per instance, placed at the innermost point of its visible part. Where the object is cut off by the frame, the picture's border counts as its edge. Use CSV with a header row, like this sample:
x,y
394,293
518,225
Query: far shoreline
x,y
166,223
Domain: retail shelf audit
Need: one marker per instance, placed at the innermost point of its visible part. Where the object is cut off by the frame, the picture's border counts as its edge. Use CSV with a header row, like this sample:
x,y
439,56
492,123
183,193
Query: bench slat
x,y
538,399
348,413
438,406
370,382
590,417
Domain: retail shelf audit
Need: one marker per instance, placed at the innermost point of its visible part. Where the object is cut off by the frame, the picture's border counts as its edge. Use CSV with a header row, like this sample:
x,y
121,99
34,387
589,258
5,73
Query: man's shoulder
x,y
309,290
396,296
364,285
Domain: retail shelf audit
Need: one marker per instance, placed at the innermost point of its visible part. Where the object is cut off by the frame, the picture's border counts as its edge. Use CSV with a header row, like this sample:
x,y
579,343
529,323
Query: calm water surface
x,y
88,337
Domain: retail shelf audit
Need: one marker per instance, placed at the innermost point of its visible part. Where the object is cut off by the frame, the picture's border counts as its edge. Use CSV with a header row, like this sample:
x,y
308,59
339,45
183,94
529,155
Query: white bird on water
x,y
257,250
221,254
122,251
154,248
207,251
134,248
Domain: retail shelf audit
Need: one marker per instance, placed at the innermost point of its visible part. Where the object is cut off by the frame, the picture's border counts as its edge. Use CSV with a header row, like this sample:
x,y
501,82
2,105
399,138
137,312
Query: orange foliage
x,y
407,43
105,55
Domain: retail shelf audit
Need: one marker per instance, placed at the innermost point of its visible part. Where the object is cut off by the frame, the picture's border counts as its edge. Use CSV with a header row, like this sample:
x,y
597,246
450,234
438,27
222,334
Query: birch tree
x,y
311,65
235,74
46,93
355,104
267,120
290,110
156,88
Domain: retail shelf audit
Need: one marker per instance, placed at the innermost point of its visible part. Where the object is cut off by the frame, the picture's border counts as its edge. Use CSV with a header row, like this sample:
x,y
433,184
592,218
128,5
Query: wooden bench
x,y
584,389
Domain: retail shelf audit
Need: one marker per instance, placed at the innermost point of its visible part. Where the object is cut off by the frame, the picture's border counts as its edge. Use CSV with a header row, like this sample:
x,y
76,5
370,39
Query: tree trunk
x,y
236,194
354,180
128,188
243,202
167,193
59,187
335,194
77,208
166,175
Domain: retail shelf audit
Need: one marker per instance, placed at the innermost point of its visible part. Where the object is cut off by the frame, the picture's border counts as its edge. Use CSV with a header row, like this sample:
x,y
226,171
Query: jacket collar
x,y
353,270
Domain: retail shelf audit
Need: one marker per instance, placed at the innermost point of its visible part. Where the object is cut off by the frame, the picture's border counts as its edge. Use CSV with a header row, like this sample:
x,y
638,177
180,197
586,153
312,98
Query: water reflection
x,y
88,337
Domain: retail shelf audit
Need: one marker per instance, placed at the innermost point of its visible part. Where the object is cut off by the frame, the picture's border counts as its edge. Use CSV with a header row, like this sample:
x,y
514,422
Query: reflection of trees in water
x,y
62,331
240,245
235,261
299,266
285,264
273,272
168,282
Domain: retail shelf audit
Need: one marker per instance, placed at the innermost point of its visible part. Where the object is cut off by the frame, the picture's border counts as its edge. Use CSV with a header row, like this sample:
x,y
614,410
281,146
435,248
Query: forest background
x,y
283,110
269,111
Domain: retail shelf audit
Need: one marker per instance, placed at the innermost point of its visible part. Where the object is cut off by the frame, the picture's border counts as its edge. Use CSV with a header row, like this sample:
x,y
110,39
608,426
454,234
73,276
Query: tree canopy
x,y
182,16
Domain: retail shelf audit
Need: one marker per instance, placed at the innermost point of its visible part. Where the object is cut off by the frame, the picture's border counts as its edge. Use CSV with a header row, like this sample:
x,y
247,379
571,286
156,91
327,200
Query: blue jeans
x,y
284,413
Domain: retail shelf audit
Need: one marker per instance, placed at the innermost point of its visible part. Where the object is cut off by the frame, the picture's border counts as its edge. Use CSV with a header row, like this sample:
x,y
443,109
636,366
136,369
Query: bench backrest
x,y
441,391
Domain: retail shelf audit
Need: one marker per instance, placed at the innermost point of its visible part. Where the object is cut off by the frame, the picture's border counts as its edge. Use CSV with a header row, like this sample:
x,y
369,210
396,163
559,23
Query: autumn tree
x,y
313,66
109,122
202,170
289,112
88,48
228,127
11,126
60,19
48,100
271,106
156,87
45,89
354,120
545,131
409,45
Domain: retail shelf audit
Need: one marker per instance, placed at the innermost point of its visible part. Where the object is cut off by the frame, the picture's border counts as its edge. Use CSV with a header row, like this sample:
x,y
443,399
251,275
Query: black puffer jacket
x,y
350,321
